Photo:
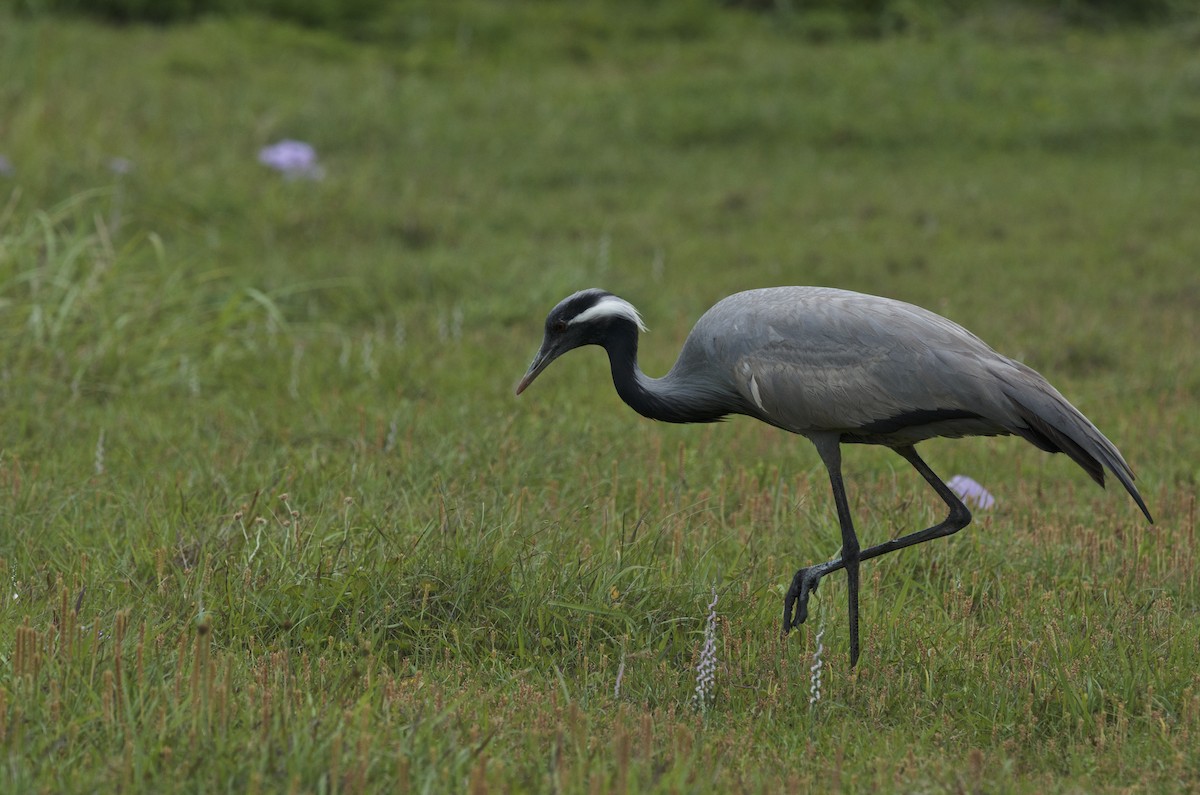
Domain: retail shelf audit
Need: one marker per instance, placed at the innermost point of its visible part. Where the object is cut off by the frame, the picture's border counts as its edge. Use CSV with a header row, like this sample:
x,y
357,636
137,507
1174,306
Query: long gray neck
x,y
671,398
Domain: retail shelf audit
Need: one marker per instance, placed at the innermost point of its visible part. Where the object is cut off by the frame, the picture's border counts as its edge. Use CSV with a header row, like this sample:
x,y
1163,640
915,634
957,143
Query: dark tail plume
x,y
1052,424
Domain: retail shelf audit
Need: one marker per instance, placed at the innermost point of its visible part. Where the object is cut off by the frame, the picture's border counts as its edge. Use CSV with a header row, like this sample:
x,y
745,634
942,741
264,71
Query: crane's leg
x,y
806,579
958,518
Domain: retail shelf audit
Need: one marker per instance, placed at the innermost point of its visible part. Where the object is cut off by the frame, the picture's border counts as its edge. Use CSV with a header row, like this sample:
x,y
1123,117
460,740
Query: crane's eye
x,y
560,326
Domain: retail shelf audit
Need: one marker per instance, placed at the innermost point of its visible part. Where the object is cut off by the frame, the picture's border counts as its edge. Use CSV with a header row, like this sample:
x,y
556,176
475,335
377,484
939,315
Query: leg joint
x,y
959,518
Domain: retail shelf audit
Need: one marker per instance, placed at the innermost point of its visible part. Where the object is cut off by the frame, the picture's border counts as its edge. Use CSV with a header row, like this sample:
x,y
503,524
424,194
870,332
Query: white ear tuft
x,y
611,306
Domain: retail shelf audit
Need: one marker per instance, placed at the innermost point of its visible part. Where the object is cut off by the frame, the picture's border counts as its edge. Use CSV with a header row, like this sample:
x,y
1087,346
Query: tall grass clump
x,y
91,314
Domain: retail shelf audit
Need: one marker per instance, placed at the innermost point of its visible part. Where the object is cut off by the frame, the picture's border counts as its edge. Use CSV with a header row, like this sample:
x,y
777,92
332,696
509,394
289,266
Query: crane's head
x,y
589,317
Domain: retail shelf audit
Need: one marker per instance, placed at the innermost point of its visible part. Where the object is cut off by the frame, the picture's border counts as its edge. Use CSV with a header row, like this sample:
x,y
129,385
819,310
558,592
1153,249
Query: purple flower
x,y
6,167
971,492
292,159
120,165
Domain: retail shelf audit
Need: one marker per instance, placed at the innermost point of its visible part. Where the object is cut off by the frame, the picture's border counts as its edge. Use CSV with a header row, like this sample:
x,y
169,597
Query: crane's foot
x,y
803,584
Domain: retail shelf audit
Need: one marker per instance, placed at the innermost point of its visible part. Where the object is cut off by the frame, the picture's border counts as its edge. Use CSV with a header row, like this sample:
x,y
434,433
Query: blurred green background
x,y
273,519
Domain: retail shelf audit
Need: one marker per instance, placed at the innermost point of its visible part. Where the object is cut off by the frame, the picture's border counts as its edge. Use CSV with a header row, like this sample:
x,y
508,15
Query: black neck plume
x,y
671,398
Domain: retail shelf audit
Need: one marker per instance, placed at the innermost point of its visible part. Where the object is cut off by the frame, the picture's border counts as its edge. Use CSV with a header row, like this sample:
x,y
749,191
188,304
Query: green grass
x,y
275,522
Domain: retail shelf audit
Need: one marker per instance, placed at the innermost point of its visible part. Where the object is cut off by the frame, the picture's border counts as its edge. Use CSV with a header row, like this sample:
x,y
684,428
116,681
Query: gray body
x,y
877,371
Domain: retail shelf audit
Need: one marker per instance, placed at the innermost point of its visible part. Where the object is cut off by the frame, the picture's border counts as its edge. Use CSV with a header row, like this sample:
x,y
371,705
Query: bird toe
x,y
795,602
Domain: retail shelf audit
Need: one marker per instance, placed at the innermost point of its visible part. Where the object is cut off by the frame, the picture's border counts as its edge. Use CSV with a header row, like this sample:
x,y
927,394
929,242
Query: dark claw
x,y
804,583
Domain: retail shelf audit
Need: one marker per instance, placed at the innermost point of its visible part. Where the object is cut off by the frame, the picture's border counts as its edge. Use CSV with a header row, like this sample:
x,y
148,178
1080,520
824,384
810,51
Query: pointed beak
x,y
540,362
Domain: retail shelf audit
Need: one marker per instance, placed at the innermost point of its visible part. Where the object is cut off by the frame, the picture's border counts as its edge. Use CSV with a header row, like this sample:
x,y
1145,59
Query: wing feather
x,y
817,359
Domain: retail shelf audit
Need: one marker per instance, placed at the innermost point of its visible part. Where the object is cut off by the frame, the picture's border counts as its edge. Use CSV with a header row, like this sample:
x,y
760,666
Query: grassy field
x,y
274,521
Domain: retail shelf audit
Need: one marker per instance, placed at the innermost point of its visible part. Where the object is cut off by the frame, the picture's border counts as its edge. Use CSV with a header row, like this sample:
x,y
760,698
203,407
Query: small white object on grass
x,y
292,158
814,692
706,671
971,492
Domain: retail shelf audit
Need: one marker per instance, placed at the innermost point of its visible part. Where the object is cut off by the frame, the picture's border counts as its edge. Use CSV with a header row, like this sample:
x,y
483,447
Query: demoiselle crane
x,y
838,367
